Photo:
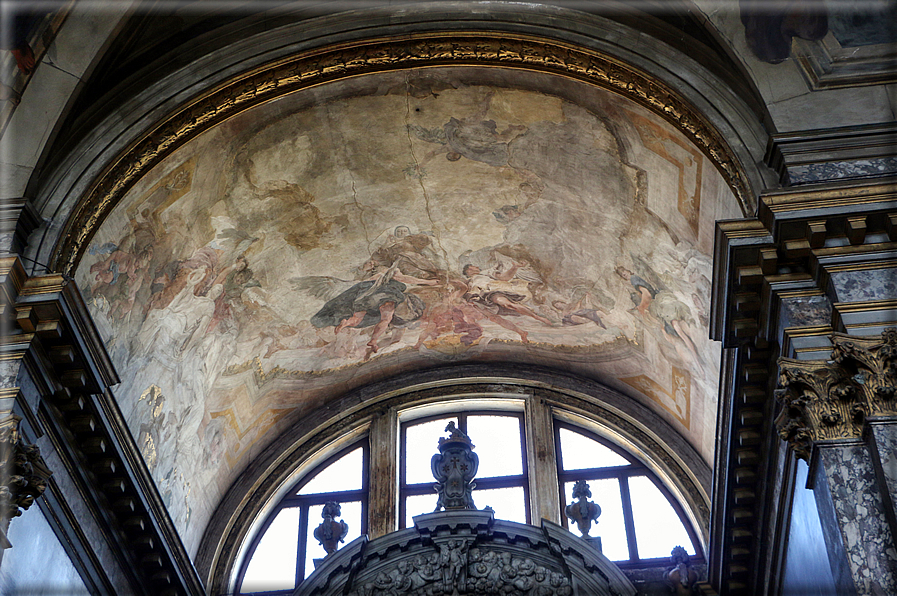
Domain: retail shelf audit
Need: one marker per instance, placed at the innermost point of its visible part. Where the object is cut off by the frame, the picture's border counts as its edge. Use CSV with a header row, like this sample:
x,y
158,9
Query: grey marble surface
x,y
885,438
861,286
842,170
806,311
807,568
859,511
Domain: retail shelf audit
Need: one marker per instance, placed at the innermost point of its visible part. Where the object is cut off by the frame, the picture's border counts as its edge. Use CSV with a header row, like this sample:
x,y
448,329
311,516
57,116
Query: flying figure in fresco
x,y
660,304
371,302
500,287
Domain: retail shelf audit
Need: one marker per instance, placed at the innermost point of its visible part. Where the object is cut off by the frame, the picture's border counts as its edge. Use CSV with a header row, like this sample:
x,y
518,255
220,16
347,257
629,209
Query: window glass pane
x,y
418,504
657,525
421,444
273,564
496,441
611,528
508,503
343,474
351,514
579,452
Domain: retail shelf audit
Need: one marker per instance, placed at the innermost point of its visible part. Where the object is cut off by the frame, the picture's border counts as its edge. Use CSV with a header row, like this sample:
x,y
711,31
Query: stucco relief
x,y
424,220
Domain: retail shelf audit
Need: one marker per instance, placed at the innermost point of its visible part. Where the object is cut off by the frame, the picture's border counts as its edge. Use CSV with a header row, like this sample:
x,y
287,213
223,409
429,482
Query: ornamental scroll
x,y
825,400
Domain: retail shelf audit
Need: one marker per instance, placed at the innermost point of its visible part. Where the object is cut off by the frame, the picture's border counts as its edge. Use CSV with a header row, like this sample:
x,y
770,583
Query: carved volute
x,y
825,400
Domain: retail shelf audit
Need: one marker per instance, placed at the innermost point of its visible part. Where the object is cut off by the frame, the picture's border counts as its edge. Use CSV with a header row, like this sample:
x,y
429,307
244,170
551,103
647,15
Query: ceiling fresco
x,y
348,232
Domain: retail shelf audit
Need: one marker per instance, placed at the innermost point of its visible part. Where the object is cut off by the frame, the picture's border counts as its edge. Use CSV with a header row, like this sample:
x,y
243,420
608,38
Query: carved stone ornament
x,y
455,570
825,400
331,532
466,551
583,512
681,577
454,468
23,473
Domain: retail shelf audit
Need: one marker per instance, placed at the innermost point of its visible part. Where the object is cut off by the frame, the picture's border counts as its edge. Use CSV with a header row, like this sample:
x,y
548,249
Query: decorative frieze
x,y
827,400
468,552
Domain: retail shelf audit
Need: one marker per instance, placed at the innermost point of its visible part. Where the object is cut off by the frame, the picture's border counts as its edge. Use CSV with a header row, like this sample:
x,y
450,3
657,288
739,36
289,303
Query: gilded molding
x,y
341,61
827,400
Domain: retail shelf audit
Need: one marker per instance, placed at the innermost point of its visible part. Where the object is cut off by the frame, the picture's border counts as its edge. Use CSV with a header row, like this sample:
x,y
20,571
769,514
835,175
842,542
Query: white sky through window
x,y
579,452
657,525
343,474
273,564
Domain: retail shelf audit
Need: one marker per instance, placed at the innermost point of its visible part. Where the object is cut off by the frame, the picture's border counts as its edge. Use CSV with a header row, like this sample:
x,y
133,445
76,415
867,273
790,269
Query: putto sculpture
x,y
454,468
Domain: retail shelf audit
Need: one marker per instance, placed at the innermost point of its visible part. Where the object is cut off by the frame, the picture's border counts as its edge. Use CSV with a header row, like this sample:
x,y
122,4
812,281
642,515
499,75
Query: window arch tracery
x,y
579,453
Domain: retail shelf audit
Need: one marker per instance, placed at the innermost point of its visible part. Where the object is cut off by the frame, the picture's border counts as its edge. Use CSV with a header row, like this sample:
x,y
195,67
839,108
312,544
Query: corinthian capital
x,y
23,473
831,399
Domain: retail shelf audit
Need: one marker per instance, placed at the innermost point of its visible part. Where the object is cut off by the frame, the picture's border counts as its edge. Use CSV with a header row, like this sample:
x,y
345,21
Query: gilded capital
x,y
831,399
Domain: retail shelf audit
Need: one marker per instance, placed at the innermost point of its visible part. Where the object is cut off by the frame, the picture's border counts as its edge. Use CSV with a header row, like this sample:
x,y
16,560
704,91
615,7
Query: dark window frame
x,y
622,474
491,482
305,503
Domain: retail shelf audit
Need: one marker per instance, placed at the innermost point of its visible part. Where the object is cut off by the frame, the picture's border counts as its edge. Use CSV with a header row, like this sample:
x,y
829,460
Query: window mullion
x,y
628,520
382,510
544,494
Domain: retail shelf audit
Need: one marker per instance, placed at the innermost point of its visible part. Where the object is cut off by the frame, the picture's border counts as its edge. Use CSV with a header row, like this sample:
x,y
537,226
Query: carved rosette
x,y
825,400
454,468
23,473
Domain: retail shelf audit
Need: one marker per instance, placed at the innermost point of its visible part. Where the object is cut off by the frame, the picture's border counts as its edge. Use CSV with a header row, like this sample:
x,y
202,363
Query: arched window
x,y
640,522
284,550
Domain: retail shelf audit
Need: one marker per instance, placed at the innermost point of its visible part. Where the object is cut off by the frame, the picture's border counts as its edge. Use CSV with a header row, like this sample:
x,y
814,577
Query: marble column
x,y
837,415
857,532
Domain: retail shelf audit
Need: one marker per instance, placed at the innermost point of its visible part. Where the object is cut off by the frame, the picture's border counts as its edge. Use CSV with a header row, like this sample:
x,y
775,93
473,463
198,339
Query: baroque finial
x,y
454,468
331,532
583,512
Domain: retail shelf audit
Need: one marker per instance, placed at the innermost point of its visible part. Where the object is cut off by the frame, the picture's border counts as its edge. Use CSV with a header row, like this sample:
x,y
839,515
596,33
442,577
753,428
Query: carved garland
x,y
825,400
352,59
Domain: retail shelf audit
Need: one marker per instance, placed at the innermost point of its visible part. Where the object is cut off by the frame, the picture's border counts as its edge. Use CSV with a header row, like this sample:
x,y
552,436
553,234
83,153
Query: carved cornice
x,y
830,400
23,473
799,238
340,61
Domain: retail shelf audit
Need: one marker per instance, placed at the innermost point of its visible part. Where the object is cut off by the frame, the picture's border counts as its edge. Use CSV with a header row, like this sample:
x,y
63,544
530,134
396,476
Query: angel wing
x,y
321,286
644,270
430,135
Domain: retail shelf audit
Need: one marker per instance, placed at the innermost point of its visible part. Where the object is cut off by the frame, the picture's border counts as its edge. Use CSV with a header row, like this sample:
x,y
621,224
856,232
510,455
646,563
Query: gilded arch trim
x,y
340,61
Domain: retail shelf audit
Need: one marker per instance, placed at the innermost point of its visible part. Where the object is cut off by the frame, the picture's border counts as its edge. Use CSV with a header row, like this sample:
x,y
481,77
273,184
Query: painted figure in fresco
x,y
473,137
673,314
500,287
454,314
234,279
369,302
582,308
413,253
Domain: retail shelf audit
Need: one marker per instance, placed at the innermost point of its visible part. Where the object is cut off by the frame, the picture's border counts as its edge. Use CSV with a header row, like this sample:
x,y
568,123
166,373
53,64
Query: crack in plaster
x,y
419,172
